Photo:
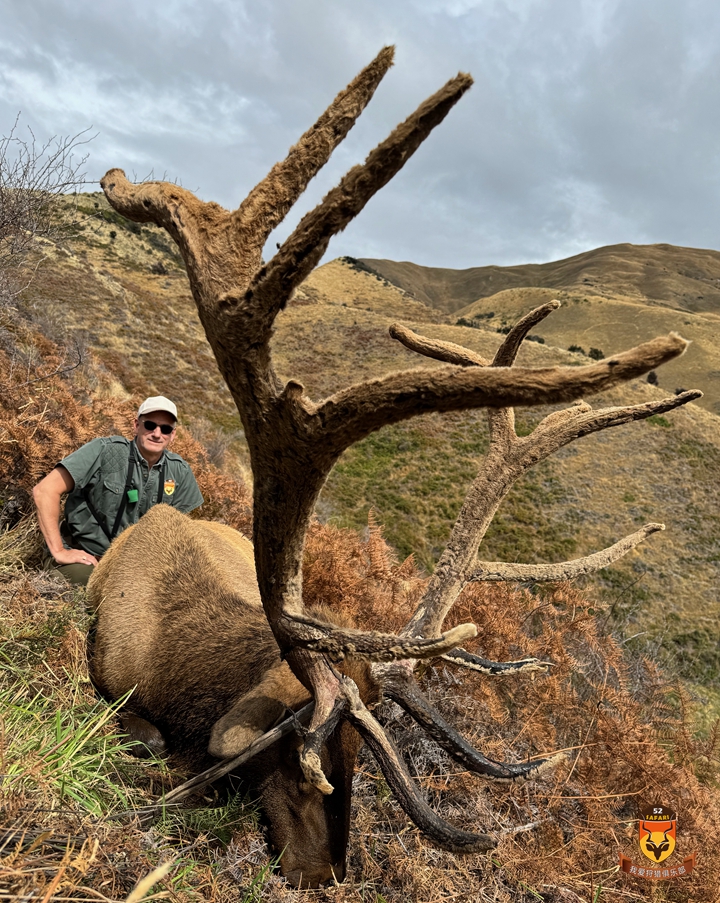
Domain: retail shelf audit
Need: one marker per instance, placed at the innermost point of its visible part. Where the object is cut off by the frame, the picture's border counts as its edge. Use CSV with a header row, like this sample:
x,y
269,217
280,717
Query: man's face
x,y
152,443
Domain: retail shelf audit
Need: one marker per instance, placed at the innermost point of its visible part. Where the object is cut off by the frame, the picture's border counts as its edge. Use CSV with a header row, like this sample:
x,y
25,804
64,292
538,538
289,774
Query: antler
x,y
508,457
294,442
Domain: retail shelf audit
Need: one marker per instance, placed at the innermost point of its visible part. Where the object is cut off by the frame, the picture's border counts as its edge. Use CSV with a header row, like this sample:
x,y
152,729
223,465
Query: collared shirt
x,y
99,469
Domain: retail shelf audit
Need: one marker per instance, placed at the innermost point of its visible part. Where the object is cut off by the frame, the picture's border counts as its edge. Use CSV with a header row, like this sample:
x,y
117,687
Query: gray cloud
x,y
591,121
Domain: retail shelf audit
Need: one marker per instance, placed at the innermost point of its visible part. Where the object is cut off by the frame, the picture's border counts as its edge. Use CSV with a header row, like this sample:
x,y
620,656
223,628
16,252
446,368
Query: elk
x,y
294,442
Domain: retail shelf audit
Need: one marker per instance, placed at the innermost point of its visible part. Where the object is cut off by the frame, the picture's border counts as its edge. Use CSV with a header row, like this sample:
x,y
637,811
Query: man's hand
x,y
74,556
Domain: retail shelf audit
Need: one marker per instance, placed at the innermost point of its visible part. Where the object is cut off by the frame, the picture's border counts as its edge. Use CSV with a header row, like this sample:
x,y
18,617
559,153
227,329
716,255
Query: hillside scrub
x,y
625,728
33,177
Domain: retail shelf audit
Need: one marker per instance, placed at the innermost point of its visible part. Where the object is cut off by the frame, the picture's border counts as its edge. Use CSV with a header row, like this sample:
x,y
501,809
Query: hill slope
x,y
121,290
682,278
614,297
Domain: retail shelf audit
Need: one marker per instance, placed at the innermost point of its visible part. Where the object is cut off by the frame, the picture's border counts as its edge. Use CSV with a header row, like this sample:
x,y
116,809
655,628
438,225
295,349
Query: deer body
x,y
180,620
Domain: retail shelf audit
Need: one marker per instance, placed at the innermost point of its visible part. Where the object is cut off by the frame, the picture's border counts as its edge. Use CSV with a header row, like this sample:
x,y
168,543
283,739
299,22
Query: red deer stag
x,y
193,678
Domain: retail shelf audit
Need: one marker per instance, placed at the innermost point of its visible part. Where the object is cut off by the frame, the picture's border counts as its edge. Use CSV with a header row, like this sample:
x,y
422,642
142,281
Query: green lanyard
x,y
129,495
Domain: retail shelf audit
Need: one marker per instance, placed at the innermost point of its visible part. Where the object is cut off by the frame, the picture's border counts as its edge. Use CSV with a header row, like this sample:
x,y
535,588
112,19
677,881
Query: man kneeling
x,y
111,482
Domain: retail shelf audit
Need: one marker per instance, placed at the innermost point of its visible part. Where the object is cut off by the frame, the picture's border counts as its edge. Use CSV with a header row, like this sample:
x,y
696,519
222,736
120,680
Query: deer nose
x,y
317,877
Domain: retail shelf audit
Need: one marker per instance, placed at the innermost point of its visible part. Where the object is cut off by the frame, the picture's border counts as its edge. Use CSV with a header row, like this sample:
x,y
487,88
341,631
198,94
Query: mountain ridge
x,y
683,278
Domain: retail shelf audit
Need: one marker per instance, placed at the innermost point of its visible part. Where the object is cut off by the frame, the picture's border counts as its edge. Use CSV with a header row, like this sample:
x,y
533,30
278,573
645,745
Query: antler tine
x,y
173,208
507,352
499,571
359,410
400,686
405,790
314,635
270,200
303,249
448,352
562,427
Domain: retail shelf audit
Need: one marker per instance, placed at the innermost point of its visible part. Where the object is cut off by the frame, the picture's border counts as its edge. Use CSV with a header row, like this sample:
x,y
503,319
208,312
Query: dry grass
x,y
625,730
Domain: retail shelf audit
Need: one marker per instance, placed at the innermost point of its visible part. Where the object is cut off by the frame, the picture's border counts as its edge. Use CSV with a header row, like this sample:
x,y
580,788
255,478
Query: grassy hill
x,y
115,296
121,289
681,278
613,297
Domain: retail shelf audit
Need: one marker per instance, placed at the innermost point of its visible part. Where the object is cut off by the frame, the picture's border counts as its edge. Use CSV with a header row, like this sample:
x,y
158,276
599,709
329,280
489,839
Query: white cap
x,y
158,403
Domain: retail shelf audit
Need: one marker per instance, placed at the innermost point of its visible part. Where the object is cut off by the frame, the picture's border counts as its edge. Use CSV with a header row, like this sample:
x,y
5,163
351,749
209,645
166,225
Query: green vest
x,y
100,471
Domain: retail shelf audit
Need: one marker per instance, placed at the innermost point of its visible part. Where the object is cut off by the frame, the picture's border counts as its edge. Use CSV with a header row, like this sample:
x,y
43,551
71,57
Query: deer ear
x,y
257,711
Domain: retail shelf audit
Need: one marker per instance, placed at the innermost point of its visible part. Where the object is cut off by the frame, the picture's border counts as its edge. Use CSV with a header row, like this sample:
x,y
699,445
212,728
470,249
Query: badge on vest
x,y
169,487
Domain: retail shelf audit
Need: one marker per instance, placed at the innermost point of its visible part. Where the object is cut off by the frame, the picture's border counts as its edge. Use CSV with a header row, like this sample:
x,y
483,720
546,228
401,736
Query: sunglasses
x,y
151,426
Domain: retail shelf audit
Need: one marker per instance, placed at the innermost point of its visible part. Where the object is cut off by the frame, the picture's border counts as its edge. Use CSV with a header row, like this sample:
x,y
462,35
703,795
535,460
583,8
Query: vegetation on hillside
x,y
628,732
102,294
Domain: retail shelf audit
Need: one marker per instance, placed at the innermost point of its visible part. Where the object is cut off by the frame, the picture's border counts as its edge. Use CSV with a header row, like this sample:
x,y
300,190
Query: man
x,y
111,482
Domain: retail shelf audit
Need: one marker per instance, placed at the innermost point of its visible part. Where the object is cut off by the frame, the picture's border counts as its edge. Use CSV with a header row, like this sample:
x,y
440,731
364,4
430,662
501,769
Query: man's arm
x,y
47,495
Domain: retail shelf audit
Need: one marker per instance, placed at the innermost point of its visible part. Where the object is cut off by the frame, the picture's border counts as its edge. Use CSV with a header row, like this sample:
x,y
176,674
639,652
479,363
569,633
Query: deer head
x,y
294,441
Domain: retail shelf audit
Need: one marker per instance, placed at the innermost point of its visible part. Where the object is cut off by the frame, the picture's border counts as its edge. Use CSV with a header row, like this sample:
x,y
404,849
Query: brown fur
x,y
179,618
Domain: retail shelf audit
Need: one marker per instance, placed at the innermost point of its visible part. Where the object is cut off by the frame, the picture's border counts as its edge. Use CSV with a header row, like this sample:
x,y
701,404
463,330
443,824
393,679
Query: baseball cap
x,y
158,403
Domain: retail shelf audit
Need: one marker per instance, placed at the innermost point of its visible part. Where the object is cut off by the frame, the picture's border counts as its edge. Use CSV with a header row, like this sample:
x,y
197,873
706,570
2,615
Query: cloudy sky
x,y
591,122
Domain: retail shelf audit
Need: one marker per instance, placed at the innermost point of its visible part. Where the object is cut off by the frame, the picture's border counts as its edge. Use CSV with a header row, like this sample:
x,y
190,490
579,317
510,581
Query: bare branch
x,y
498,571
494,669
32,178
448,352
303,249
355,412
59,371
268,203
